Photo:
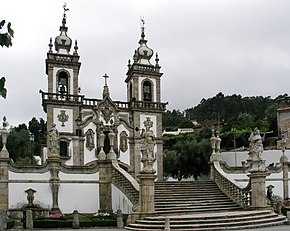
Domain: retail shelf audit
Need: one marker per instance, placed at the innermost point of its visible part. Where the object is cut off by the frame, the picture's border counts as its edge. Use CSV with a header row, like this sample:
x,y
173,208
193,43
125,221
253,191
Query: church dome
x,y
143,54
63,42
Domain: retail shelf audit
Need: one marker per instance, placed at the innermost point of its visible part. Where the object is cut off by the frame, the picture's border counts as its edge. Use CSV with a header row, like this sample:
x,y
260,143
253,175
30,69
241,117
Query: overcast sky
x,y
204,46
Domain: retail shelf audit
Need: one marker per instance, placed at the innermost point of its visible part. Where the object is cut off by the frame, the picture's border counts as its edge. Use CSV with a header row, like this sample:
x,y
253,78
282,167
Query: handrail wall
x,y
241,195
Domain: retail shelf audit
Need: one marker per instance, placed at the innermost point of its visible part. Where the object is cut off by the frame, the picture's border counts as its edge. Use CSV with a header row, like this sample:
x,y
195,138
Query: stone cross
x,y
106,77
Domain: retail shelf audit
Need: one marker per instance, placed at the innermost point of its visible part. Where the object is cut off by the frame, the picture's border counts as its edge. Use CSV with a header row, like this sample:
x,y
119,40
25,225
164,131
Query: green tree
x,y
5,40
37,130
186,155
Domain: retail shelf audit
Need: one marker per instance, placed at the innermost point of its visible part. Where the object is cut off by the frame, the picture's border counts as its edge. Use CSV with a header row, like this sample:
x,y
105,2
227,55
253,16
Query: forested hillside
x,y
232,111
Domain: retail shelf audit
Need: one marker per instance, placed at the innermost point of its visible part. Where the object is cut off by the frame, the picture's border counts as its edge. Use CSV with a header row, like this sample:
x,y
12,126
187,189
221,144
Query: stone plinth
x,y
146,195
105,186
259,199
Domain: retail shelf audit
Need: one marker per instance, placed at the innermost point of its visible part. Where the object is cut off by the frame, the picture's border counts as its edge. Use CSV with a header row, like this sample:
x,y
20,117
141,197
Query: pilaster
x,y
53,163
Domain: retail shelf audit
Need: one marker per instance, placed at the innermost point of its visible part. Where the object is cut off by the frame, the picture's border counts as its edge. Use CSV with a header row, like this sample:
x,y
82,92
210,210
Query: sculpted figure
x,y
256,144
53,140
148,140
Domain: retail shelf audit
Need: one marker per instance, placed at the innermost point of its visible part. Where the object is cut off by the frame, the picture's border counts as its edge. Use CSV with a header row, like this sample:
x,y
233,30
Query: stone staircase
x,y
201,205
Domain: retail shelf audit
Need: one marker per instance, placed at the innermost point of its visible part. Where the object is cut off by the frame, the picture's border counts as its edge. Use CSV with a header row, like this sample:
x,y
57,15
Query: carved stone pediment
x,y
107,110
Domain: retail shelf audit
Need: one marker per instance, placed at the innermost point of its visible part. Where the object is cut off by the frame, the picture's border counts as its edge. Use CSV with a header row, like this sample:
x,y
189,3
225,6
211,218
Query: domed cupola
x,y
143,54
63,42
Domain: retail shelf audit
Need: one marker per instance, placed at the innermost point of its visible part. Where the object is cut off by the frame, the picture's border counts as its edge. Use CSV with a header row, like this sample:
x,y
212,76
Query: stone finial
x,y
157,60
50,46
129,64
76,48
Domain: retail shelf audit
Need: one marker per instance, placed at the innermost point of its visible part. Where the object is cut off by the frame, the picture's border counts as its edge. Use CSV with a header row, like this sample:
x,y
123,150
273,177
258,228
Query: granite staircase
x,y
201,205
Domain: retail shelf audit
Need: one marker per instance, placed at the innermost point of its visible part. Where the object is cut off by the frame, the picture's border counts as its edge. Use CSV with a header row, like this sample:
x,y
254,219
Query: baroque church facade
x,y
89,126
102,155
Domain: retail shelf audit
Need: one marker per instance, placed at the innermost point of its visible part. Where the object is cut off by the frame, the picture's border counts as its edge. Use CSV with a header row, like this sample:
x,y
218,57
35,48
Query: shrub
x,y
10,224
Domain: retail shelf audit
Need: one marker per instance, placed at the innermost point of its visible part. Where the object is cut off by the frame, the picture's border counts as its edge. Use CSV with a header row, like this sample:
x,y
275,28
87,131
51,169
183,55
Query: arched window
x,y
63,82
147,91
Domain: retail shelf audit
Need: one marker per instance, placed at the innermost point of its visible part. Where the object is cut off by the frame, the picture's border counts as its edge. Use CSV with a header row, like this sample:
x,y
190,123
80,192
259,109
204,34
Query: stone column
x,y
258,185
146,195
54,182
105,186
285,169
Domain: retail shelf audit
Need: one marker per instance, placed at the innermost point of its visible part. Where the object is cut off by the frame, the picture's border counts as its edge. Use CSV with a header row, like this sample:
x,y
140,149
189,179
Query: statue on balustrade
x,y
255,161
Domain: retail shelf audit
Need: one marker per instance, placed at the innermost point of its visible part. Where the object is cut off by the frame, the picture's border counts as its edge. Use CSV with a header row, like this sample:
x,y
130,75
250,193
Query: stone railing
x,y
240,195
125,182
61,97
148,105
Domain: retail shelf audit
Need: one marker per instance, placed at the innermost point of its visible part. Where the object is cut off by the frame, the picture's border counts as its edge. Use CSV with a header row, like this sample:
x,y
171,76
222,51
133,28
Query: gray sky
x,y
204,46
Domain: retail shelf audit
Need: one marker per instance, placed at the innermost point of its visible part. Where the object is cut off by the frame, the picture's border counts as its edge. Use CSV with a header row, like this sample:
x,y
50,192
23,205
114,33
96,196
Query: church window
x,y
107,147
63,82
147,91
63,148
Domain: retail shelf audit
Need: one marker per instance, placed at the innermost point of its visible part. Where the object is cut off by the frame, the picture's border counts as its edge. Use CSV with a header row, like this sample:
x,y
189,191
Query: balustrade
x,y
242,196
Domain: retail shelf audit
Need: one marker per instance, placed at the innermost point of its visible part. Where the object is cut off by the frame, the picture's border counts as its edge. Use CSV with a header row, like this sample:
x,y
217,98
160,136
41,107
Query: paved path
x,y
273,228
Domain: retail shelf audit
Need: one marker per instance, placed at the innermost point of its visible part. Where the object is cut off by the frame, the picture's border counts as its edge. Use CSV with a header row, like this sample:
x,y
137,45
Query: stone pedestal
x,y
28,219
259,198
54,162
75,222
146,195
105,186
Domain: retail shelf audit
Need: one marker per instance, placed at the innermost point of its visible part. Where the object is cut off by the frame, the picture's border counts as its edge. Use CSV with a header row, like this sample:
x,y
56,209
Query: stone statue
x,y
148,140
255,161
53,145
147,146
256,145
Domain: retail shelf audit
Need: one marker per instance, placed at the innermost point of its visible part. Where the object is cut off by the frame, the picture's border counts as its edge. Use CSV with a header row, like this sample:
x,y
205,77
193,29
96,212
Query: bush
x,y
52,223
98,221
64,222
10,224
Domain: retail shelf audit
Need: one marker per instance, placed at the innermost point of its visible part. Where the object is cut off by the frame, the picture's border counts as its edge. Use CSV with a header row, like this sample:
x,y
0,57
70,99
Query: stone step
x,y
171,195
214,221
196,210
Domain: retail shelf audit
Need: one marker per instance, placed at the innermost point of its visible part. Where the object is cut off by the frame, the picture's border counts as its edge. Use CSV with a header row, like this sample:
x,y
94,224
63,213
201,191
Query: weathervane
x,y
64,10
142,24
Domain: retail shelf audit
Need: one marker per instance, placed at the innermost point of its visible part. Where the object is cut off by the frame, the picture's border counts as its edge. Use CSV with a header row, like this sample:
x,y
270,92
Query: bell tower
x,y
144,97
62,101
62,68
143,78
